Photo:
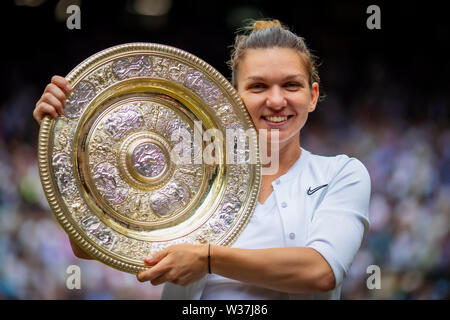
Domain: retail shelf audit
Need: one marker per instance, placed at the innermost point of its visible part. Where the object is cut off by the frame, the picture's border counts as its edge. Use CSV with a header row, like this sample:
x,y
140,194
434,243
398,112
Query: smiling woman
x,y
276,92
312,212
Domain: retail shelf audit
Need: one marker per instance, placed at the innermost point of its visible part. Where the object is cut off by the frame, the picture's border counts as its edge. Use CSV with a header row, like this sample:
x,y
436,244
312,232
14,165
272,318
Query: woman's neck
x,y
288,154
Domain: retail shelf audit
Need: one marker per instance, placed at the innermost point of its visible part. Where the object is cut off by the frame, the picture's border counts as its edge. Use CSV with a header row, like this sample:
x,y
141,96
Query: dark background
x,y
386,103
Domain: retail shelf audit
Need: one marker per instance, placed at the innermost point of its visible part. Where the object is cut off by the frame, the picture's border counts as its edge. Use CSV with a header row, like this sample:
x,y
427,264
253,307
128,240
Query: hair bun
x,y
263,24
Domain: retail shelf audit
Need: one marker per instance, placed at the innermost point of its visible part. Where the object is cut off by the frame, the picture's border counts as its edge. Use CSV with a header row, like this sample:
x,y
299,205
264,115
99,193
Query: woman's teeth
x,y
276,119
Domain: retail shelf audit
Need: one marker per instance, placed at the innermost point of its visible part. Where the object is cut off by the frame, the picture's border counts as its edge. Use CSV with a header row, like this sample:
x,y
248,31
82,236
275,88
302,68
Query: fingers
x,y
53,99
170,276
162,279
151,274
56,91
62,83
153,259
180,264
43,110
156,270
150,261
160,276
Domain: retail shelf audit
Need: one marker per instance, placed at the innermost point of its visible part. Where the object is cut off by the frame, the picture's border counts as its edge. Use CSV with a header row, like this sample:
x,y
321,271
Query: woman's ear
x,y
314,96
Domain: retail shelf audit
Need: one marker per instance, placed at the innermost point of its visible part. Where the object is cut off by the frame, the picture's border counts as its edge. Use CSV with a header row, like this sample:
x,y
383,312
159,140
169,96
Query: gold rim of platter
x,y
106,165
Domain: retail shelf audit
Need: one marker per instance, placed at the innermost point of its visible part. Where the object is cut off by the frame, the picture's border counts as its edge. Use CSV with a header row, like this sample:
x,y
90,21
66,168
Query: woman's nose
x,y
275,98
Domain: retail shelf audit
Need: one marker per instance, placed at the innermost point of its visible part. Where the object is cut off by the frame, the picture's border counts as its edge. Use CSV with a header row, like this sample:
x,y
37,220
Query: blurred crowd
x,y
409,166
395,126
409,239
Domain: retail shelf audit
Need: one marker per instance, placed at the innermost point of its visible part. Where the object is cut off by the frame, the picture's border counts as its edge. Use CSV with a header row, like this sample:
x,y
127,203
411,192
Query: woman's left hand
x,y
181,264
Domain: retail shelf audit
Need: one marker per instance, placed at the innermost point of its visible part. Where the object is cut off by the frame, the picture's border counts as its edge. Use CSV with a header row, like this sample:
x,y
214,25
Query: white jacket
x,y
332,219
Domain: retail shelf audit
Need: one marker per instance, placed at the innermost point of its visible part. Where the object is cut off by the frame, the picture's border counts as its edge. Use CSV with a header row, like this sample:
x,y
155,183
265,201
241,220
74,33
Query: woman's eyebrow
x,y
289,77
295,76
254,78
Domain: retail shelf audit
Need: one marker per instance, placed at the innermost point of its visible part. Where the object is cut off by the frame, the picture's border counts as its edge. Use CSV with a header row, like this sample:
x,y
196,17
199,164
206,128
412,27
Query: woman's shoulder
x,y
340,164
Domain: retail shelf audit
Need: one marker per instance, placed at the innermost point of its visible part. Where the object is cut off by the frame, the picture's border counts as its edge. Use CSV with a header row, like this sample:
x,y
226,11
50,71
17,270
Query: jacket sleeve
x,y
341,220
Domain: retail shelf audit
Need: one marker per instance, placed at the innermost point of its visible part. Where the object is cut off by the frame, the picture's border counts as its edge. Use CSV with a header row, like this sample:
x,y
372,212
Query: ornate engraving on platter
x,y
190,175
197,82
239,181
135,66
62,166
102,148
160,67
148,160
176,126
169,69
102,77
225,218
150,112
64,131
139,160
177,71
108,182
132,248
225,112
171,198
164,116
144,160
76,103
78,207
119,123
95,228
137,207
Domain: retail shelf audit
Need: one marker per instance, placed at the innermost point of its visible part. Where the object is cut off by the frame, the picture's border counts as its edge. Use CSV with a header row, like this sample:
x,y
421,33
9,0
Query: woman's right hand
x,y
53,99
52,103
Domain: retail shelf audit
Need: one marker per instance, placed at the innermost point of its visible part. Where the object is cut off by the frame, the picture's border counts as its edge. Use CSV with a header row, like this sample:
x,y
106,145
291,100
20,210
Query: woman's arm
x,y
292,270
78,252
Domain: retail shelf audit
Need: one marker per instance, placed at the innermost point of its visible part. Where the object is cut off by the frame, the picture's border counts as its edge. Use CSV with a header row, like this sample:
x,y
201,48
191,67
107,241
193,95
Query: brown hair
x,y
268,34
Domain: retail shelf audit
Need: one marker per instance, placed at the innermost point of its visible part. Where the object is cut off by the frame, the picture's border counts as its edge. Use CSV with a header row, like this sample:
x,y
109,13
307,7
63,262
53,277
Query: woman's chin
x,y
274,138
278,141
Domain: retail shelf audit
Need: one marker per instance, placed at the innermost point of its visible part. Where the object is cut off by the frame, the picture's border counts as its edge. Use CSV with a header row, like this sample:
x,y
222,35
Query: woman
x,y
311,214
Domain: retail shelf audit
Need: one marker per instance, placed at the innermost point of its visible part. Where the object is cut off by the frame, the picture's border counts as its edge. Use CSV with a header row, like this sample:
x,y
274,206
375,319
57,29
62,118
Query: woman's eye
x,y
256,86
293,85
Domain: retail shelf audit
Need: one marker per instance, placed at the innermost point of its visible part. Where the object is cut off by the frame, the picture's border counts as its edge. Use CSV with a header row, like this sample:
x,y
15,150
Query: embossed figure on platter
x,y
170,199
62,167
148,160
107,180
126,119
132,66
82,94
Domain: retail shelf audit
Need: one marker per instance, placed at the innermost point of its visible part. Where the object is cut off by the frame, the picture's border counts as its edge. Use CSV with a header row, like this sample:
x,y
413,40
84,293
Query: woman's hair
x,y
263,34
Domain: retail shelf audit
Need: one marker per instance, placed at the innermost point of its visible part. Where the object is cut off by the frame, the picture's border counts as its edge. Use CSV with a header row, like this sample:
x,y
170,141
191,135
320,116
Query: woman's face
x,y
273,84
